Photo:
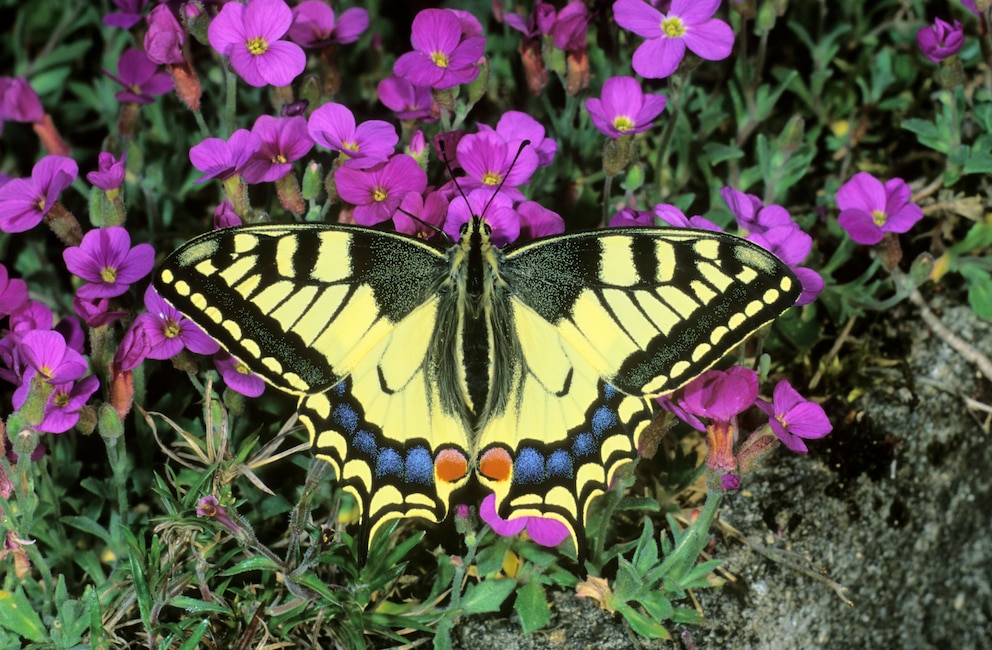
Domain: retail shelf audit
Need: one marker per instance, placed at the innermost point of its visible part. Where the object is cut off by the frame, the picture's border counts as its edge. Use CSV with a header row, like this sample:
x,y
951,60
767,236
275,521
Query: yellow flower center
x,y
440,59
491,178
379,194
41,204
673,27
879,216
61,399
350,146
243,369
278,158
45,372
257,45
108,274
622,123
171,329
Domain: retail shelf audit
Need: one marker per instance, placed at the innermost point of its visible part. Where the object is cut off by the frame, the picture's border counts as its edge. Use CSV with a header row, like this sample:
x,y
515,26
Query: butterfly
x,y
420,367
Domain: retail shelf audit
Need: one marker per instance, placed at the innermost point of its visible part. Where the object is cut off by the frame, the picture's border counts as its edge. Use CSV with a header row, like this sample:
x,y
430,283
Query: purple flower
x,y
624,109
133,349
490,162
13,293
537,221
24,202
516,126
19,102
417,214
209,506
225,216
250,35
110,174
137,73
721,394
237,376
164,38
689,23
496,209
168,332
869,209
106,260
631,217
408,101
567,27
794,418
970,6
48,358
365,145
674,217
940,40
314,24
543,530
377,192
96,312
791,245
282,140
751,215
62,409
219,159
442,58
32,316
539,23
128,16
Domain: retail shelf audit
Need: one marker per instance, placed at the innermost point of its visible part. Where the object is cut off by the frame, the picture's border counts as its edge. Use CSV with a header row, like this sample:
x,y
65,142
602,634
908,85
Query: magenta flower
x,y
128,16
751,214
567,28
543,530
537,221
225,216
539,23
237,376
631,217
377,192
62,409
24,202
250,35
688,24
940,40
96,312
869,209
794,418
442,57
19,102
417,214
13,293
496,209
624,109
674,217
32,316
48,358
110,173
133,349
282,140
517,126
137,73
408,101
168,332
210,507
106,260
365,145
314,24
165,37
490,162
721,396
219,159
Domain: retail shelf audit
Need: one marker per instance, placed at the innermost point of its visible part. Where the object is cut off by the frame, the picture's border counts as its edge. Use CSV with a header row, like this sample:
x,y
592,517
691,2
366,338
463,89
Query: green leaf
x,y
136,558
193,605
17,615
258,563
642,624
487,596
927,134
979,290
194,639
657,605
532,606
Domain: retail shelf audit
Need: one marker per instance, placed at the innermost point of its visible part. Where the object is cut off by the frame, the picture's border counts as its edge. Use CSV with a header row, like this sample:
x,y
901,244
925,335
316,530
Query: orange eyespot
x,y
450,465
496,464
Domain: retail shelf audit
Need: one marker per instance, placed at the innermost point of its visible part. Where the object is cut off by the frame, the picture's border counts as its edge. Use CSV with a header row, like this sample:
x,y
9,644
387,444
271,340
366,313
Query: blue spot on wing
x,y
389,463
345,417
420,466
560,464
529,466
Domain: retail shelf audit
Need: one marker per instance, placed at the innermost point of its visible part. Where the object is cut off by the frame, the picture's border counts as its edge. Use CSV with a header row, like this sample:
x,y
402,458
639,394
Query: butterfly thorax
x,y
473,301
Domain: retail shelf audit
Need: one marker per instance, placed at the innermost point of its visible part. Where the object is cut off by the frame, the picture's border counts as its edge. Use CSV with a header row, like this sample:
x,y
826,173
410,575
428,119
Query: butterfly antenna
x,y
444,157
